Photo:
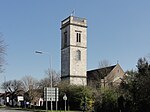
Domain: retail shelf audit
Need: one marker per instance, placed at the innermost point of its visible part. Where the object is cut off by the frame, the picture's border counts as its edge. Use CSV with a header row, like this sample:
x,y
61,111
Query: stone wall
x,y
74,69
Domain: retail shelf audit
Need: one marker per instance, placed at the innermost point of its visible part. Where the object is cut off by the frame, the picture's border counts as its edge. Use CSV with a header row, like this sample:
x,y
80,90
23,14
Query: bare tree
x,y
14,87
55,76
46,82
2,52
104,63
98,76
105,68
148,57
31,88
29,82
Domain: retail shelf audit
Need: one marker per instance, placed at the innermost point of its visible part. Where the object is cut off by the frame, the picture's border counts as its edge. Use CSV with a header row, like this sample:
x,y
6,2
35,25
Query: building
x,y
74,50
74,57
107,76
2,99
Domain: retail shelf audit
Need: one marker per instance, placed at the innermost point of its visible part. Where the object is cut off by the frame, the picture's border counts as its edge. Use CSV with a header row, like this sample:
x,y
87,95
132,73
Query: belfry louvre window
x,y
65,39
78,55
78,37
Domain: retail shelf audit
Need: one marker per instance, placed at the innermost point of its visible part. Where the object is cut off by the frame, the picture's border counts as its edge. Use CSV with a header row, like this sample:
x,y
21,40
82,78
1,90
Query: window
x,y
78,37
65,39
78,55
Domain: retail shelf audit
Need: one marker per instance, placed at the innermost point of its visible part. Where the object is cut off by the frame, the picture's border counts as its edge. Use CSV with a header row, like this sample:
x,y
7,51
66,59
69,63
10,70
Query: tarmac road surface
x,y
10,110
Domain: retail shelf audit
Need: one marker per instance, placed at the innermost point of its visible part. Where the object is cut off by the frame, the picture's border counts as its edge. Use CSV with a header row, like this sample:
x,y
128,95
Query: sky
x,y
118,31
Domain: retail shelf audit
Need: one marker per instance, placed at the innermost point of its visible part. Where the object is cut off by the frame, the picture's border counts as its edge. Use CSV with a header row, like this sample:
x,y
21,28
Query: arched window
x,y
78,55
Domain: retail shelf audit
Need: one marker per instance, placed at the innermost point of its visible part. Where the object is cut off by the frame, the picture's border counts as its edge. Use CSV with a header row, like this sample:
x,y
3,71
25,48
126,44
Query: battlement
x,y
75,21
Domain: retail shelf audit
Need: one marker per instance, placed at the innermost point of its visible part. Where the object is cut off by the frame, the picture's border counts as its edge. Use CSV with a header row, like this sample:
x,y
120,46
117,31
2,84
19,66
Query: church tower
x,y
74,50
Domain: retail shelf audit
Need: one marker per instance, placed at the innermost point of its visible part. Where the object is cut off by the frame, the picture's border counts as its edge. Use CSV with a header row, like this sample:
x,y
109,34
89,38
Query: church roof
x,y
100,72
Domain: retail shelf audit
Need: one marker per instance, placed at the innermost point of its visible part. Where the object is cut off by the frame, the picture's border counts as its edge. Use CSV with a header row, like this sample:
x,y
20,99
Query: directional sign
x,y
50,94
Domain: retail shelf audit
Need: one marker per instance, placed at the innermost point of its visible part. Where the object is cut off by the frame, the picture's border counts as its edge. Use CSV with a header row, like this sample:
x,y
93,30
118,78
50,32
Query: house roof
x,y
101,72
1,94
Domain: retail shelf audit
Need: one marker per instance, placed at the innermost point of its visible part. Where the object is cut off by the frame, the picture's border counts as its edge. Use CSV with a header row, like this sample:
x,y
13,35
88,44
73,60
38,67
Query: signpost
x,y
65,98
50,94
20,98
57,97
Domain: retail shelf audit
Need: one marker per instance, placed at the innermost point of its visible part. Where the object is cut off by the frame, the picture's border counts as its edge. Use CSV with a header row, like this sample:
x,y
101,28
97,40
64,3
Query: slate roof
x,y
101,72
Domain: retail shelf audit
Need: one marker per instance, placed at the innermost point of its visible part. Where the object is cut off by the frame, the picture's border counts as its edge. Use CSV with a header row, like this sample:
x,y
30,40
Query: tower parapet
x,y
74,21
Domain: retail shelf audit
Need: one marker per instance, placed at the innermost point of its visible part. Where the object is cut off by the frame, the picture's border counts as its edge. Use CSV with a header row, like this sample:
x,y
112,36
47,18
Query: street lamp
x,y
50,65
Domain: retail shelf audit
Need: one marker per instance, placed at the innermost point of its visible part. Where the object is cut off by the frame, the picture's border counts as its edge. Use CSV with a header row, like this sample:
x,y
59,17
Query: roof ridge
x,y
103,68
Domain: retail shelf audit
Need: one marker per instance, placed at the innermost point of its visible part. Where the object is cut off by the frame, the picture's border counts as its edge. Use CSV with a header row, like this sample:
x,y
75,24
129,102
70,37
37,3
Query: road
x,y
10,110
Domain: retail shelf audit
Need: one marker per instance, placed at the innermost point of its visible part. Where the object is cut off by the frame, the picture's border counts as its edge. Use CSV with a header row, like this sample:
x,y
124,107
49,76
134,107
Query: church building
x,y
74,56
74,50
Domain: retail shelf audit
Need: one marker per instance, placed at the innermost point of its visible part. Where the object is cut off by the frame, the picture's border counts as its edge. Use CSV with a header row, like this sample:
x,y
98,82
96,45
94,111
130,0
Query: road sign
x,y
20,98
50,94
65,97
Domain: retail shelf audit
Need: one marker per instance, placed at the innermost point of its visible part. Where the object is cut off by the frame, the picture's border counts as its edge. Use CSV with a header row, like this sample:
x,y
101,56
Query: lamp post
x,y
50,65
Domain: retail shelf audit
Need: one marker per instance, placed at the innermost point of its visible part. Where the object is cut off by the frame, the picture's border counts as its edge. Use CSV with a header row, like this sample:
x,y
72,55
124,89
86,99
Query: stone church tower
x,y
74,50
